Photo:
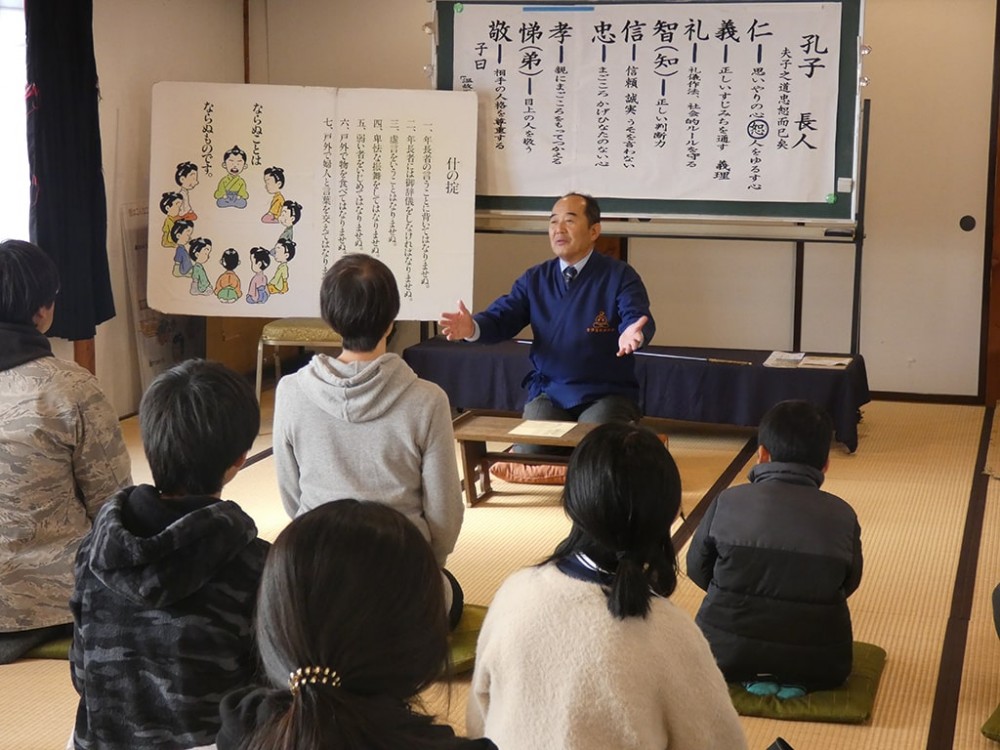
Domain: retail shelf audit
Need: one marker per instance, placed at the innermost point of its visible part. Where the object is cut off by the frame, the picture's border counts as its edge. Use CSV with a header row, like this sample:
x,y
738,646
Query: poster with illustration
x,y
255,191
161,341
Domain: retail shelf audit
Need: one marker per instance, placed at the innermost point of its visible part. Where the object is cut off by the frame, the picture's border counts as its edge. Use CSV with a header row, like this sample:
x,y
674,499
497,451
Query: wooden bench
x,y
474,429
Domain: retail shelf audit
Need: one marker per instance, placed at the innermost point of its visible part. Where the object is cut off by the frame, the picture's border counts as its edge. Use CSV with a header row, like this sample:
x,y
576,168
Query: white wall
x,y
136,45
344,44
341,43
931,72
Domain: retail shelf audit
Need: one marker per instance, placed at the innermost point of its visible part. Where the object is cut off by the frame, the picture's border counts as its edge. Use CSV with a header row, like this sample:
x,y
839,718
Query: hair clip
x,y
312,676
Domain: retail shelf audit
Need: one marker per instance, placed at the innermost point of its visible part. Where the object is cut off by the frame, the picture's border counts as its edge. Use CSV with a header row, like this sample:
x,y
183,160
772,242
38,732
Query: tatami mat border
x,y
944,713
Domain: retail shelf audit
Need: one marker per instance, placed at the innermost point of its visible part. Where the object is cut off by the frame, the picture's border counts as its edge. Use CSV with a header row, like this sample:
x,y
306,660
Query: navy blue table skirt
x,y
476,376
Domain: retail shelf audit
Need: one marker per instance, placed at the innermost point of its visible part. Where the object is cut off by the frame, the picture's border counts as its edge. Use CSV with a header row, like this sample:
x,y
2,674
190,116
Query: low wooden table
x,y
474,428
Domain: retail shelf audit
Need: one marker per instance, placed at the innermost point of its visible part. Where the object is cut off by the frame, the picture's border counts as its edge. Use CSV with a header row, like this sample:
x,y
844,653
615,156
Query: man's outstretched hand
x,y
631,338
459,325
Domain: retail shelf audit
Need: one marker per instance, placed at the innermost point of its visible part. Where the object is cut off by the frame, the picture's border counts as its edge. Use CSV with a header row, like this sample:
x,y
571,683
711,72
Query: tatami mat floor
x,y
910,482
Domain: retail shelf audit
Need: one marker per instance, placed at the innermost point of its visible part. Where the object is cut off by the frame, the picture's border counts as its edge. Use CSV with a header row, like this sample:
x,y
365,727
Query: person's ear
x,y
826,466
42,319
595,231
763,455
233,470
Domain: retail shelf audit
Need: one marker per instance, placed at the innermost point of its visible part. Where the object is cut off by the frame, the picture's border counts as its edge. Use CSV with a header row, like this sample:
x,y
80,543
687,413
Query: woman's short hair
x,y
29,281
359,300
351,586
623,491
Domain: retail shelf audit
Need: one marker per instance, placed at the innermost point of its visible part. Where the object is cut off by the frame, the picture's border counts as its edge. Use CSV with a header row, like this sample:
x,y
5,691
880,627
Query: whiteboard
x,y
678,108
385,172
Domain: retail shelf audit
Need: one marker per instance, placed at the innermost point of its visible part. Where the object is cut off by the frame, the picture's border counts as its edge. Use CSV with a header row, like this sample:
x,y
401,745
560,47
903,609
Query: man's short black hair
x,y
592,210
29,281
359,300
196,419
797,432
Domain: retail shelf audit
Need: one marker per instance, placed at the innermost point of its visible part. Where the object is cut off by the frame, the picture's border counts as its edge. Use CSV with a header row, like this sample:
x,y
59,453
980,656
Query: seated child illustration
x,y
283,252
232,190
778,558
274,180
289,216
200,251
170,205
180,235
227,286
257,293
186,178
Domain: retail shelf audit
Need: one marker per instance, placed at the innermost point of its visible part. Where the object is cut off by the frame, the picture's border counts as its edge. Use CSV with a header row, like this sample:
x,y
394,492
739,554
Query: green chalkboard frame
x,y
843,210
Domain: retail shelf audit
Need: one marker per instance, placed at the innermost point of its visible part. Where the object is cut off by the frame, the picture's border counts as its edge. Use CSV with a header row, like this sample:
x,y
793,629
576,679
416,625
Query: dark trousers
x,y
457,600
613,408
15,645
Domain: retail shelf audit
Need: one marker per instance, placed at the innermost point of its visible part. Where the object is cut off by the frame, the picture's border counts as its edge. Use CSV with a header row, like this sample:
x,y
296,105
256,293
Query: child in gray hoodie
x,y
362,425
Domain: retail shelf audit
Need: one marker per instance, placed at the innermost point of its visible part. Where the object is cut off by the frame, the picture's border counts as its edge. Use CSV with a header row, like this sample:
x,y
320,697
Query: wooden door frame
x,y
989,378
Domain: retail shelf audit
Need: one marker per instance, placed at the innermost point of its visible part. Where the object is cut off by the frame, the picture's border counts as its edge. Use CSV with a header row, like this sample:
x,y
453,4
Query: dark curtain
x,y
68,217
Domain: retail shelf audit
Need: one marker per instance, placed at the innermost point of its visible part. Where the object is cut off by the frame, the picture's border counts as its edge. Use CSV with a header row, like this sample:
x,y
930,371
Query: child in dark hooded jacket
x,y
167,579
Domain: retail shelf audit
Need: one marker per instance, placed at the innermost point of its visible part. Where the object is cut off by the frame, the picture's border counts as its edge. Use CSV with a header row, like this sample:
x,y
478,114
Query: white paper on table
x,y
824,362
784,359
542,428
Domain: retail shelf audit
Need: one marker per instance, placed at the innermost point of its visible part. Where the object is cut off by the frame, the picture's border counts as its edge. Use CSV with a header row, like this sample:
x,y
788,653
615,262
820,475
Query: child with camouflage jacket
x,y
167,580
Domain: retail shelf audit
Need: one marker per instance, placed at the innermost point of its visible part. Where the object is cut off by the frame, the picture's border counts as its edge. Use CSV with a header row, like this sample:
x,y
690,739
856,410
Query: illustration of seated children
x,y
274,180
283,252
289,216
186,178
170,205
227,286
180,235
232,190
778,558
257,293
200,251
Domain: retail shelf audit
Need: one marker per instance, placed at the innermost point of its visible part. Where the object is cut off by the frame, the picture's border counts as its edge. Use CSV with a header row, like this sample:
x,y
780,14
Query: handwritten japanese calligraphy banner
x,y
676,101
259,189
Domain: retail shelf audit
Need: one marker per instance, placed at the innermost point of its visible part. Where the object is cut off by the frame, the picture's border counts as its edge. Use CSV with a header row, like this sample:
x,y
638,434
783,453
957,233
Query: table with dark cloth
x,y
477,376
